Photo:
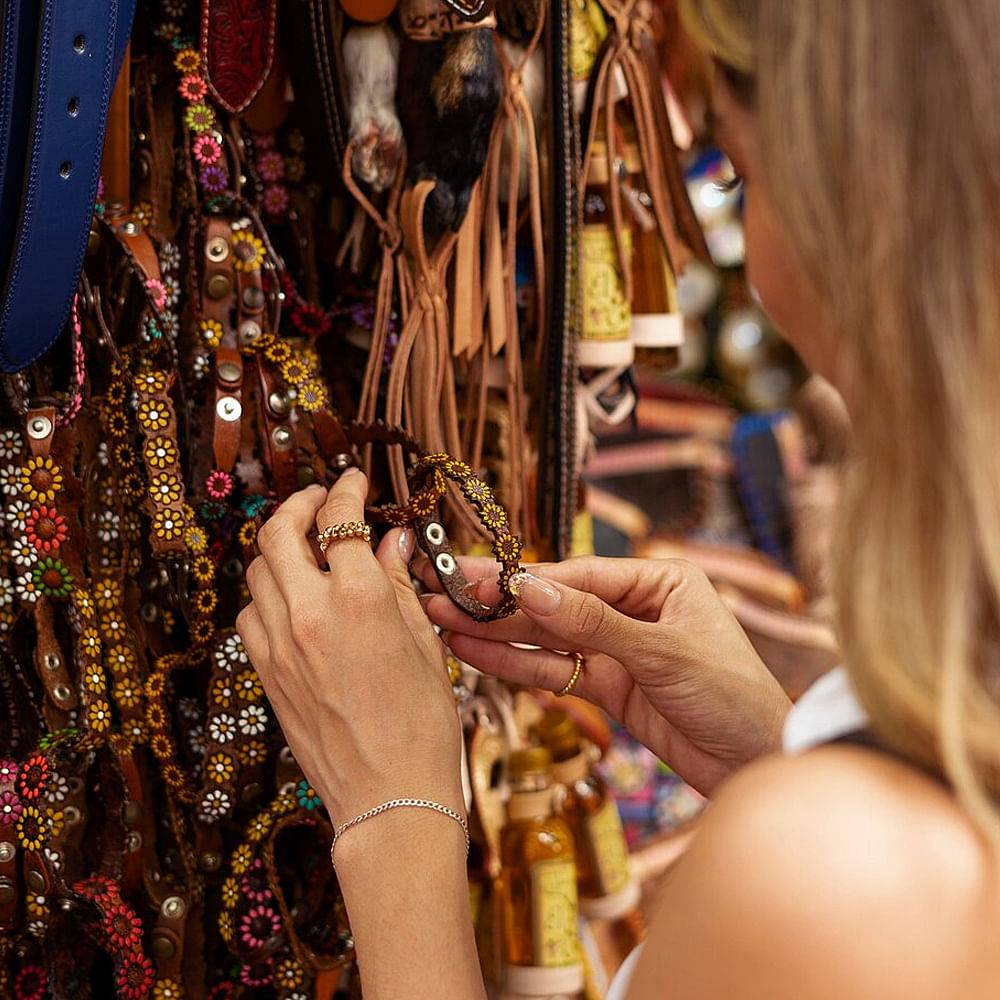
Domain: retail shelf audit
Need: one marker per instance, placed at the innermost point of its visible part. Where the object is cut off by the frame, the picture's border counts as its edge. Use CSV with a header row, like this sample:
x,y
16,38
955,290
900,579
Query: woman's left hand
x,y
352,667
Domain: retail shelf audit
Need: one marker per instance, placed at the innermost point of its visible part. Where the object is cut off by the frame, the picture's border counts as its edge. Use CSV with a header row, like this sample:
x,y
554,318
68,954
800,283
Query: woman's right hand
x,y
664,656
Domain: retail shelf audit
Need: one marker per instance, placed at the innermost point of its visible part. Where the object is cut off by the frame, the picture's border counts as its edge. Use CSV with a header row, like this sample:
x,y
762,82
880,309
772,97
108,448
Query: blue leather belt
x,y
58,64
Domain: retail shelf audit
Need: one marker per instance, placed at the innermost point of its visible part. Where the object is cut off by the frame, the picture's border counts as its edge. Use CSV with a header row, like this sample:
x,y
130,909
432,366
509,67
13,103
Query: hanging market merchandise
x,y
296,236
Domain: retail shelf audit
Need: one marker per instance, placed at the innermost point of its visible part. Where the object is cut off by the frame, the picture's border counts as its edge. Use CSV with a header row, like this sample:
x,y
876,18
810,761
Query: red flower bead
x,y
135,977
33,776
45,528
31,983
258,926
192,88
218,485
206,150
310,319
123,926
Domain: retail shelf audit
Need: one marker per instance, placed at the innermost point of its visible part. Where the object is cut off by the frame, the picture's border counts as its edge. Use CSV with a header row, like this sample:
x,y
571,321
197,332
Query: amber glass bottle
x,y
606,886
538,885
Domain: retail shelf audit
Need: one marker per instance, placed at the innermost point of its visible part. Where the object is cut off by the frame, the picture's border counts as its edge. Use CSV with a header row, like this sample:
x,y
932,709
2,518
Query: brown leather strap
x,y
167,940
41,424
390,238
132,818
684,212
228,408
419,387
218,294
268,111
280,431
515,127
136,240
117,158
9,857
50,665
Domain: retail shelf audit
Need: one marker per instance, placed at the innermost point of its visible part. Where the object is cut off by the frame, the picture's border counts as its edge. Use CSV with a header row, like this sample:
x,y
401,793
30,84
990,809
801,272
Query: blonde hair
x,y
879,131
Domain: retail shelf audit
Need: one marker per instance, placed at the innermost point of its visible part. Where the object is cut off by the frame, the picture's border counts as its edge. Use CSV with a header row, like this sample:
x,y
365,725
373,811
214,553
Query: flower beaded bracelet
x,y
428,480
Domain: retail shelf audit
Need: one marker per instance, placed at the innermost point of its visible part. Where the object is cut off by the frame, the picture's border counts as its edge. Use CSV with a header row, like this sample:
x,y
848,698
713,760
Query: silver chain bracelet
x,y
398,804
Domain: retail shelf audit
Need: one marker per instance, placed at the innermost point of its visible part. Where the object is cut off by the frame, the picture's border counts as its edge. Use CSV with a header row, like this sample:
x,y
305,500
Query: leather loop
x,y
68,89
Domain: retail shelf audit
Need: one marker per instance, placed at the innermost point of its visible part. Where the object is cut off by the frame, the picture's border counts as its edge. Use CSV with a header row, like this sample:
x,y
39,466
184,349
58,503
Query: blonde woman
x,y
867,133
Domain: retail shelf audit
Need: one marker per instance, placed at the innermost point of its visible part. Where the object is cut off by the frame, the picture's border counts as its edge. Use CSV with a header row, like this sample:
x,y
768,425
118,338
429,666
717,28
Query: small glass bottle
x,y
538,886
608,889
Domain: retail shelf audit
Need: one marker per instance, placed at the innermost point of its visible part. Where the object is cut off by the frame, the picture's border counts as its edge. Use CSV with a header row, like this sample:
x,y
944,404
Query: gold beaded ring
x,y
338,532
578,663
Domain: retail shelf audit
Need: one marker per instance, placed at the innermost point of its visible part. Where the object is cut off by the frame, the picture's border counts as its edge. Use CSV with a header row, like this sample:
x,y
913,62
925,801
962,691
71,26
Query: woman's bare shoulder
x,y
841,873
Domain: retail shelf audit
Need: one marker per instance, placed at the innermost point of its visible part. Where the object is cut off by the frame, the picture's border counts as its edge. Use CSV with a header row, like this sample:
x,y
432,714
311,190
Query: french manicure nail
x,y
407,539
534,595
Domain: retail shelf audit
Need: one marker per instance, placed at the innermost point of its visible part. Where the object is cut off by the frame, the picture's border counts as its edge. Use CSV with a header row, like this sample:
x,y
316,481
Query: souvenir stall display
x,y
254,243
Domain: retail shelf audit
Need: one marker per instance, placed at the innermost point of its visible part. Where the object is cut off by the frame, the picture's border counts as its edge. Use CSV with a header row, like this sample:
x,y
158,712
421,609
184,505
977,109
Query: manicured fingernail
x,y
407,539
534,595
351,470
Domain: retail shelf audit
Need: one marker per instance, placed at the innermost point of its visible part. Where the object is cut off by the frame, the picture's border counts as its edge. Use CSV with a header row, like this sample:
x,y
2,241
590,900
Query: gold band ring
x,y
578,662
338,532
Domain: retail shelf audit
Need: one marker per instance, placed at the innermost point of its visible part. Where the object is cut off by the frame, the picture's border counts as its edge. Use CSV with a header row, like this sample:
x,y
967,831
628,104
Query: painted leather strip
x,y
237,48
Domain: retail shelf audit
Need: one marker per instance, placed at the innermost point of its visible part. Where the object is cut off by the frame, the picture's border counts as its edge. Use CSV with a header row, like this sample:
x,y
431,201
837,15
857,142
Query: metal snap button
x,y
229,408
218,286
278,403
217,249
249,332
253,298
281,437
229,372
445,563
39,428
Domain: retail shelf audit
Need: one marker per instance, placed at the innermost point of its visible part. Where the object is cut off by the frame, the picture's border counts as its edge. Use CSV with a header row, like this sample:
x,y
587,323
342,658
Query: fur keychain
x,y
447,95
371,55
